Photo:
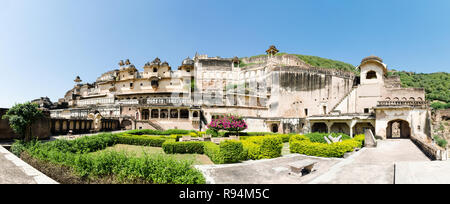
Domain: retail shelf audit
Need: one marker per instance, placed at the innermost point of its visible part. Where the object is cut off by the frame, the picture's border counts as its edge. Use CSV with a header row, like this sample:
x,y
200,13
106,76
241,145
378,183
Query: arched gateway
x,y
398,129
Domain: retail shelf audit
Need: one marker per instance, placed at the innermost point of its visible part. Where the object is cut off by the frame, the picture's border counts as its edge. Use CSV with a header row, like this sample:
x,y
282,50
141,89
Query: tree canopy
x,y
21,118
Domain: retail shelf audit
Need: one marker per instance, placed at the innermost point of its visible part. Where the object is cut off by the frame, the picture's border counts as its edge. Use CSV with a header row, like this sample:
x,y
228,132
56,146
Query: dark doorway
x,y
319,127
275,128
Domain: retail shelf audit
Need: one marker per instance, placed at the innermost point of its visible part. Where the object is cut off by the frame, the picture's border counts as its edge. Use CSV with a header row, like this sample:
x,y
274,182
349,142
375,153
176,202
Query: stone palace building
x,y
274,93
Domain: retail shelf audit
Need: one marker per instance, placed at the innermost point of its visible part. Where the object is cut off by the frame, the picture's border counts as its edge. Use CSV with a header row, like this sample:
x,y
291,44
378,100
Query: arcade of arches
x,y
147,114
342,127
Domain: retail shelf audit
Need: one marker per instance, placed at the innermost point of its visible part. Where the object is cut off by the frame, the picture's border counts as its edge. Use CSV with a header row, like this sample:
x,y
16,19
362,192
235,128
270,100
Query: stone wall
x,y
433,152
40,129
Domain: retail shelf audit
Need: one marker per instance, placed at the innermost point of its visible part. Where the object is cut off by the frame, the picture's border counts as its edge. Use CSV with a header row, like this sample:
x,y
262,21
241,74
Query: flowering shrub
x,y
229,123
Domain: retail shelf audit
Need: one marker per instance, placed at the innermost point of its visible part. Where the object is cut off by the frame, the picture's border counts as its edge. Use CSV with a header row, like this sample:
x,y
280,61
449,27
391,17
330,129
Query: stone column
x,y
329,125
351,124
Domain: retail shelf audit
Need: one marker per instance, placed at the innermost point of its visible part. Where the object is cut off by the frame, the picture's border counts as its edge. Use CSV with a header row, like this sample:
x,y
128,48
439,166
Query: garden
x,y
152,157
160,157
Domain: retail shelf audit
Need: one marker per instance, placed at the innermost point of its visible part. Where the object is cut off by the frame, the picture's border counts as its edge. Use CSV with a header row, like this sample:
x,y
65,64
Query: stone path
x,y
373,165
15,171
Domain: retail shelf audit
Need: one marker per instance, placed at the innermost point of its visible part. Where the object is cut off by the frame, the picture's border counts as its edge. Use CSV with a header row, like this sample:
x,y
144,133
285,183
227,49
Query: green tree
x,y
21,118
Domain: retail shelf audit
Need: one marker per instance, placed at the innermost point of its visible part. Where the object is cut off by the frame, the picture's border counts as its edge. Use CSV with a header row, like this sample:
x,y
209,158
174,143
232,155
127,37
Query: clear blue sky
x,y
44,44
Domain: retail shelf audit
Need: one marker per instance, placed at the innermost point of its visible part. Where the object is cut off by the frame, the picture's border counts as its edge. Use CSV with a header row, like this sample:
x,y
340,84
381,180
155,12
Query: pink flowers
x,y
228,123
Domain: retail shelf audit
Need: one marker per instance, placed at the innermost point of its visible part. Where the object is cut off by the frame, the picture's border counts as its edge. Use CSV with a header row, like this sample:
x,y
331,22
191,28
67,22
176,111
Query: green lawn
x,y
198,159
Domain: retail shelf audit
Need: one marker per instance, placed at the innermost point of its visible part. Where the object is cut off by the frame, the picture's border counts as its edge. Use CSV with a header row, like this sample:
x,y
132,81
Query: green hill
x,y
437,86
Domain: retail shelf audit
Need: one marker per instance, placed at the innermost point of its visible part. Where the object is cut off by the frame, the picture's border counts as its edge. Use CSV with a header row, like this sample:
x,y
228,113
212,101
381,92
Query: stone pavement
x,y
15,171
435,172
373,165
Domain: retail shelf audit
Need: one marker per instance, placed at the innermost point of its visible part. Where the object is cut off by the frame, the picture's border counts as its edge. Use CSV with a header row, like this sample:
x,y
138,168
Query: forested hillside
x,y
437,86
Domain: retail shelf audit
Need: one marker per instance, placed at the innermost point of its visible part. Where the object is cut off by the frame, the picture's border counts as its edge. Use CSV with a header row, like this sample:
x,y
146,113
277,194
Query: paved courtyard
x,y
369,166
373,165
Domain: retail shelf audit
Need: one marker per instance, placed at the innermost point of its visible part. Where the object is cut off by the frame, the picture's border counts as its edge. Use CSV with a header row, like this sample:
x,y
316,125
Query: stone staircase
x,y
343,98
155,125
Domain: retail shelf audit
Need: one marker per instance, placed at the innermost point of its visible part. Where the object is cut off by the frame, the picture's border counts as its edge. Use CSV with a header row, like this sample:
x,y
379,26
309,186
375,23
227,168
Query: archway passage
x,y
275,128
126,124
340,128
398,129
319,127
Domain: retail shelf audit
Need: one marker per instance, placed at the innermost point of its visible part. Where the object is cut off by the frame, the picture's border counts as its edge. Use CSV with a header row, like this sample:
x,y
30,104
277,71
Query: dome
x,y
372,58
188,61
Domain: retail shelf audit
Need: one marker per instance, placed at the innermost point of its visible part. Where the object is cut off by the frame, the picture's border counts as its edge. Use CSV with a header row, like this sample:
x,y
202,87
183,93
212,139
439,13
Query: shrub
x,y
212,132
252,150
440,141
271,147
18,147
303,145
144,140
230,123
231,151
171,147
266,147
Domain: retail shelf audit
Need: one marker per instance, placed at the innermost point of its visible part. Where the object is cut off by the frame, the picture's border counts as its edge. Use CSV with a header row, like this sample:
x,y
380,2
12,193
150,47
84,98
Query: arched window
x,y
371,75
155,69
195,114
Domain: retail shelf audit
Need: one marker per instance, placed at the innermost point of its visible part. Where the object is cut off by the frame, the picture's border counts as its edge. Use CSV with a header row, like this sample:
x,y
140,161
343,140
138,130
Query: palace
x,y
274,93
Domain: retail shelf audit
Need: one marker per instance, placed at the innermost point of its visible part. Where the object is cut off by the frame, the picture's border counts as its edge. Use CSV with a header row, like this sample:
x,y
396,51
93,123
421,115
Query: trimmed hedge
x,y
227,152
303,145
267,147
157,132
231,151
172,147
144,140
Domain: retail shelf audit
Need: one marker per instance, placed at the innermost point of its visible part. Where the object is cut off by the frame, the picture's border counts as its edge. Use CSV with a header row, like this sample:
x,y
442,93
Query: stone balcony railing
x,y
403,103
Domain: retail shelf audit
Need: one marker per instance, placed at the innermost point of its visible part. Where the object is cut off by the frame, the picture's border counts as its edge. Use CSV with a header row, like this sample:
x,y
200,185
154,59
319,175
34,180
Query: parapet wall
x,y
431,151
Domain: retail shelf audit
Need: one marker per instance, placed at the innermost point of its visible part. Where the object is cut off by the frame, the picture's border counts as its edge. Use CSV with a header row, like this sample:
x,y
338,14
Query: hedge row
x,y
172,147
158,132
303,145
143,140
